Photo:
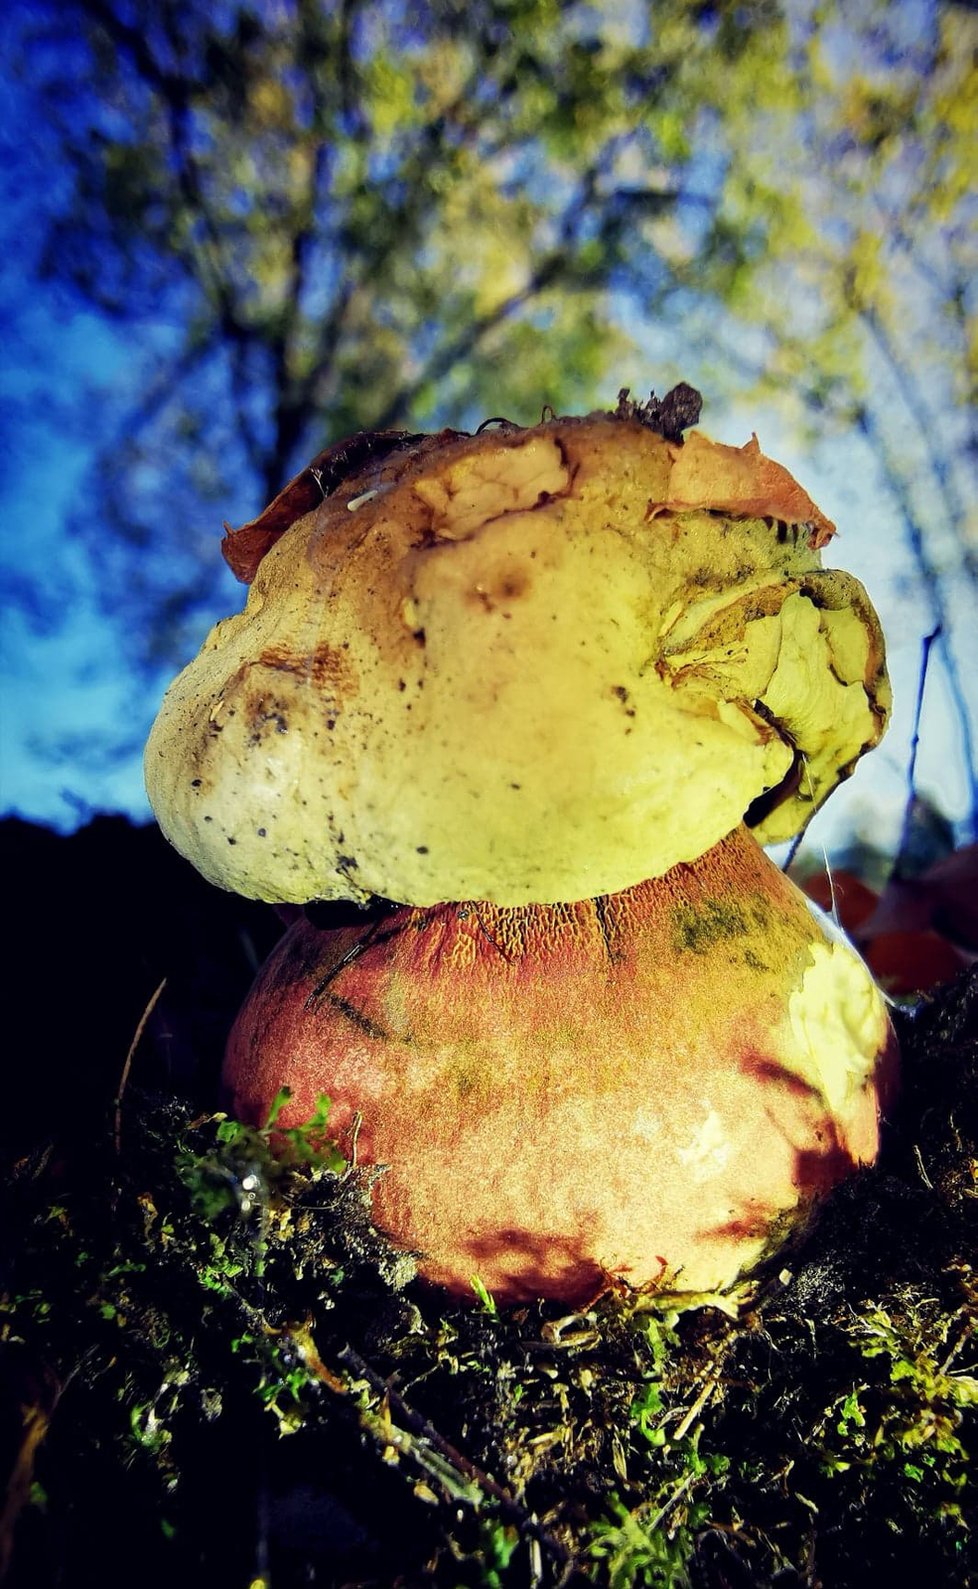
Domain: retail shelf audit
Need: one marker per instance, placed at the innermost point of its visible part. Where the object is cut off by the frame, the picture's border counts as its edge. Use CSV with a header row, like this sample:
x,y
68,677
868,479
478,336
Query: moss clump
x,y
219,1372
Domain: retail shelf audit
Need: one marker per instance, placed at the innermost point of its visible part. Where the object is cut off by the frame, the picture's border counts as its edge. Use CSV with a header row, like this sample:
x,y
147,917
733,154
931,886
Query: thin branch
x,y
870,429
910,807
914,401
289,413
170,376
549,270
37,1423
134,42
466,342
205,256
462,1465
124,1078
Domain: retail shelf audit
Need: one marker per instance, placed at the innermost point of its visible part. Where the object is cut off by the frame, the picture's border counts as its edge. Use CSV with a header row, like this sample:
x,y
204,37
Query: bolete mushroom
x,y
548,690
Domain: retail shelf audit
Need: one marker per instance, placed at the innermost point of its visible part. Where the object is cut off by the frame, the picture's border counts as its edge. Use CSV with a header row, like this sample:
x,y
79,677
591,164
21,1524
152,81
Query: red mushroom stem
x,y
652,1085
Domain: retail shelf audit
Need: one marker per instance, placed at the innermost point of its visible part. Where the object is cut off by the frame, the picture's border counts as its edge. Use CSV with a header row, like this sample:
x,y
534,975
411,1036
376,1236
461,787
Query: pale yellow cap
x,y
525,666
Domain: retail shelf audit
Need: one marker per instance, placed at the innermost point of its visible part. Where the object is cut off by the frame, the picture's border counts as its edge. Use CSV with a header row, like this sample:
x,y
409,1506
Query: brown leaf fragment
x,y
244,549
708,474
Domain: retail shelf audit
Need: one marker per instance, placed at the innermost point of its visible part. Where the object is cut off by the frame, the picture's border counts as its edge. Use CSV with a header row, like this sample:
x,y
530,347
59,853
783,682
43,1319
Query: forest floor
x,y
217,1372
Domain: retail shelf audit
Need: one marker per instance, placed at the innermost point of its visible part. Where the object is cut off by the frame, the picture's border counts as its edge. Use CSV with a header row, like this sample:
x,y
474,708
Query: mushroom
x,y
548,691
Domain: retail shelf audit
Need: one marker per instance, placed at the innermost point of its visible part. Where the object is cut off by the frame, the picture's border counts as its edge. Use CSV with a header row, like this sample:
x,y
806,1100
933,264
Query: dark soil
x,y
216,1371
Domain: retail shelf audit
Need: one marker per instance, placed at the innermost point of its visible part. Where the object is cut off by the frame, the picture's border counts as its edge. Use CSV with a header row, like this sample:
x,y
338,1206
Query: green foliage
x,y
498,1545
912,1415
637,1554
307,1143
248,1160
316,219
487,1301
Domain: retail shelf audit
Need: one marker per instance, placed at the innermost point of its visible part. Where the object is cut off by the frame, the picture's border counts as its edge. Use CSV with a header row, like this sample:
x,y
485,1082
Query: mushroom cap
x,y
522,666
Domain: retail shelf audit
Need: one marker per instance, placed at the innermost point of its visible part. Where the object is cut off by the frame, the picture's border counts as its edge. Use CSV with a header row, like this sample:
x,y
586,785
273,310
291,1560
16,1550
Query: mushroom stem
x,y
652,1085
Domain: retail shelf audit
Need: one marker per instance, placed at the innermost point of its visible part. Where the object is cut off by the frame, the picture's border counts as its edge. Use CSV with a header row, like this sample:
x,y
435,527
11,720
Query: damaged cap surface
x,y
529,665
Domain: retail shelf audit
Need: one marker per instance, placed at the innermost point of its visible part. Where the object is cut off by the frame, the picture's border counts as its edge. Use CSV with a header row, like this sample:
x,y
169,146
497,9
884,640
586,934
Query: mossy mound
x,y
218,1372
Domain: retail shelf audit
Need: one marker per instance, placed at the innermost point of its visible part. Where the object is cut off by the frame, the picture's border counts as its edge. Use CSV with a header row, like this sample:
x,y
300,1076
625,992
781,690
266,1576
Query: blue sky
x,y
67,692
73,712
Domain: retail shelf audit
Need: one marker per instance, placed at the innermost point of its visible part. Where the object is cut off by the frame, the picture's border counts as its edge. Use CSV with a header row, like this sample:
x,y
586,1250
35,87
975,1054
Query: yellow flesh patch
x,y
838,1022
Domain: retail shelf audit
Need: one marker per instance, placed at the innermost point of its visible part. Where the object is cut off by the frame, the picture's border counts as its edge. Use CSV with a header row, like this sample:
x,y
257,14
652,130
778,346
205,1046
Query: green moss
x,y
205,1327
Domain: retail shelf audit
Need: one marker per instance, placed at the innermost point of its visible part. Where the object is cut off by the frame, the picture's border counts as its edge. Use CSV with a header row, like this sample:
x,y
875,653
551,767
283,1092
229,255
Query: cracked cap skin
x,y
524,666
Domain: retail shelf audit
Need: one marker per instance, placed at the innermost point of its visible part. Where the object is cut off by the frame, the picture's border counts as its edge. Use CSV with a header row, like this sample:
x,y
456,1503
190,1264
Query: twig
x,y
698,1405
355,1137
931,579
799,837
37,1422
909,808
123,1079
462,1465
920,1165
489,937
668,1505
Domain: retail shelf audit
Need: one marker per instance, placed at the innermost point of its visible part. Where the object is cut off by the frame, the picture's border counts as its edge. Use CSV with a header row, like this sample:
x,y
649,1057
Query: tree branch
x,y
176,93
870,429
917,408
